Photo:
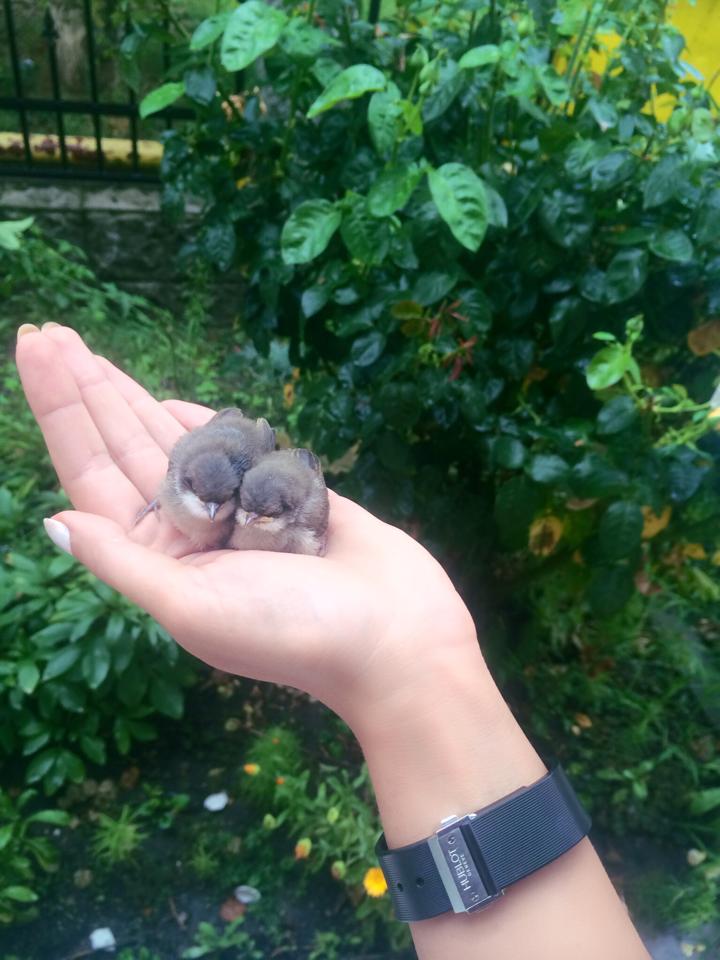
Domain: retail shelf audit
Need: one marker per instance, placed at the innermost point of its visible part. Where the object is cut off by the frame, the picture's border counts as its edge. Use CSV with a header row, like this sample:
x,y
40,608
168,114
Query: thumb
x,y
150,579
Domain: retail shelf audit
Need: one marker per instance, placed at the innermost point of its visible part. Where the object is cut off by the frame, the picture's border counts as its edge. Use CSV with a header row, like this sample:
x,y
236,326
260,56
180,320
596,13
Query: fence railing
x,y
37,138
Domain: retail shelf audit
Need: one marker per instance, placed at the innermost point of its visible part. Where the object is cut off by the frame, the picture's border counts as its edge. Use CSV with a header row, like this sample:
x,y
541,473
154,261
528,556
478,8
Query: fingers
x,y
190,415
79,454
163,427
127,440
155,582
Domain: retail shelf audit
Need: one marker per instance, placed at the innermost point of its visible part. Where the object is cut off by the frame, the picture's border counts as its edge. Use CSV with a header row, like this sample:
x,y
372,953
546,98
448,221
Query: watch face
x,y
460,869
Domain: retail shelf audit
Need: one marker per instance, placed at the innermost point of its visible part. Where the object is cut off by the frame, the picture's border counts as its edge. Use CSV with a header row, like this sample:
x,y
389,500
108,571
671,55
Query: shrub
x,y
440,212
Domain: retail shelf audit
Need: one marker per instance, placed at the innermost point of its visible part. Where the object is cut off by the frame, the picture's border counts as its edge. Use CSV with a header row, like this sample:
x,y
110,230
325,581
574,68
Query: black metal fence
x,y
48,132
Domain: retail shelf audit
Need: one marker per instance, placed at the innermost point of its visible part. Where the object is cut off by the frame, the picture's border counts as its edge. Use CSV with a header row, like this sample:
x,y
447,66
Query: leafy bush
x,y
22,851
439,211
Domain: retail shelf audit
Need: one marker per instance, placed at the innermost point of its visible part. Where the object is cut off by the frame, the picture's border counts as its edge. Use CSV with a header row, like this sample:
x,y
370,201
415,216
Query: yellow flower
x,y
289,394
654,523
303,848
374,882
583,721
252,769
695,551
545,534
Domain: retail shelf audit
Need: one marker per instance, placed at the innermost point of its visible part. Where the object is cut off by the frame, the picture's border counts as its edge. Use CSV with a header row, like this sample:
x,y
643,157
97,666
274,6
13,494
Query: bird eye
x,y
187,482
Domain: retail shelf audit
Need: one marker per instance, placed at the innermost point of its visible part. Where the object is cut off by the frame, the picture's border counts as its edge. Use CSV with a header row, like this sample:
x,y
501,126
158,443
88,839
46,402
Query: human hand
x,y
360,629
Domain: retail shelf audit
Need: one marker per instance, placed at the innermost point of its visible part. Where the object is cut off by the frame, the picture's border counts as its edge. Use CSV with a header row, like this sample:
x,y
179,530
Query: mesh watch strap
x,y
470,861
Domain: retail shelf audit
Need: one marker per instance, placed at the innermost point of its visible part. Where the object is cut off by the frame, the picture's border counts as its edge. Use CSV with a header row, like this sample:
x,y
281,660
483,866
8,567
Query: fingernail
x,y
50,324
27,328
58,533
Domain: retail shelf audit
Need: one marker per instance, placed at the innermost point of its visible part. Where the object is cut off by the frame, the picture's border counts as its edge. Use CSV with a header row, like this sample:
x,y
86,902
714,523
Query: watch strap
x,y
470,861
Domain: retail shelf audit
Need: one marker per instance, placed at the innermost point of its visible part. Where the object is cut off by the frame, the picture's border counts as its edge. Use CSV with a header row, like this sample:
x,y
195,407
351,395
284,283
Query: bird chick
x,y
283,505
200,492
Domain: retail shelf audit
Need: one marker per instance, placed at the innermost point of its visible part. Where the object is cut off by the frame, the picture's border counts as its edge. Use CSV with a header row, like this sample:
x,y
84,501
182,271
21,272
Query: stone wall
x,y
119,227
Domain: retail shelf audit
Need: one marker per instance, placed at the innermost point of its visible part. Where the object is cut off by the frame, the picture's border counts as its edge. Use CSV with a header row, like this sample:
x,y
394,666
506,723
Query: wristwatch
x,y
470,860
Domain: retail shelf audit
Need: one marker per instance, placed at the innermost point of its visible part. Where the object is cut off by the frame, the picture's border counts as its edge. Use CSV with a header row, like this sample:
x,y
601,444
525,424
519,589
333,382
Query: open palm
x,y
336,626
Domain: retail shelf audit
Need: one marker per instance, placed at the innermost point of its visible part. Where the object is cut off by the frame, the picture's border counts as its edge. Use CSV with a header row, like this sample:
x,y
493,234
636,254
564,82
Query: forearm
x,y
452,746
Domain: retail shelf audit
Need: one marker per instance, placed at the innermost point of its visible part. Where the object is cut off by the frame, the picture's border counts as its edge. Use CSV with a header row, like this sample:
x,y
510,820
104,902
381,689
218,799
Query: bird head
x,y
208,484
273,493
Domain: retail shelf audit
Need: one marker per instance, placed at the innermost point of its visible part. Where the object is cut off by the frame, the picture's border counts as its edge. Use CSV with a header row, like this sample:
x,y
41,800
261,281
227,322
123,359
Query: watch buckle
x,y
461,867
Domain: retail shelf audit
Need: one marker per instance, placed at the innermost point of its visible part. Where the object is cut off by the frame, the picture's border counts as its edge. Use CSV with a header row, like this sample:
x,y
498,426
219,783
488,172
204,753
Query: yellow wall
x,y
699,23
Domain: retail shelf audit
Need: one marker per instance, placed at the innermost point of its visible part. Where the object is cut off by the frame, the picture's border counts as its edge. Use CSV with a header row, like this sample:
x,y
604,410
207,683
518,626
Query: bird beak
x,y
212,509
248,518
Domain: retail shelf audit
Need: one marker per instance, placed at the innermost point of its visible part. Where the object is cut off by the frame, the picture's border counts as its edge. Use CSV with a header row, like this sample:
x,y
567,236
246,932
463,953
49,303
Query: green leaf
x,y
433,286
366,350
94,748
200,85
61,662
21,894
508,452
612,170
515,356
392,189
160,98
594,477
567,217
450,82
620,530
28,676
610,589
132,686
95,665
10,231
705,800
547,468
166,697
707,228
626,274
702,125
366,237
616,415
672,245
58,818
40,765
479,56
624,278
384,115
348,85
460,198
313,300
6,834
664,181
253,28
497,211
604,112
303,42
218,242
308,230
208,31
607,367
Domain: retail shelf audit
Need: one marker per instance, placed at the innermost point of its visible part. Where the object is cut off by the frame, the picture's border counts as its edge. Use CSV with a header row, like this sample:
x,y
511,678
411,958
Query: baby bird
x,y
205,470
283,505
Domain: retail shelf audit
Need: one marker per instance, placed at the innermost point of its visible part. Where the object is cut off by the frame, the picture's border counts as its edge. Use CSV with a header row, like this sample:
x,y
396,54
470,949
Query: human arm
x,y
374,629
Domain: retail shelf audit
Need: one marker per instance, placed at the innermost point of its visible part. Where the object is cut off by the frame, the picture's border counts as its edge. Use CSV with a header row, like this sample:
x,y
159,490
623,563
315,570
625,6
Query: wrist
x,y
445,743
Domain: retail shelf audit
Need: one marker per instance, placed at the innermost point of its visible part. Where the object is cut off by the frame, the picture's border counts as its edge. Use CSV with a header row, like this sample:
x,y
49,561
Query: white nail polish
x,y
58,533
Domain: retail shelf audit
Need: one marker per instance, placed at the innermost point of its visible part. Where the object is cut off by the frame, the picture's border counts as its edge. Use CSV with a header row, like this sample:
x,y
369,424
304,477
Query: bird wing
x,y
308,458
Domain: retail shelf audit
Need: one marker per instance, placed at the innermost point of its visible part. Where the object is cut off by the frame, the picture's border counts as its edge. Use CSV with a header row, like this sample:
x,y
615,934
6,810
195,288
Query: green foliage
x,y
328,815
439,214
21,852
211,942
116,841
79,668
